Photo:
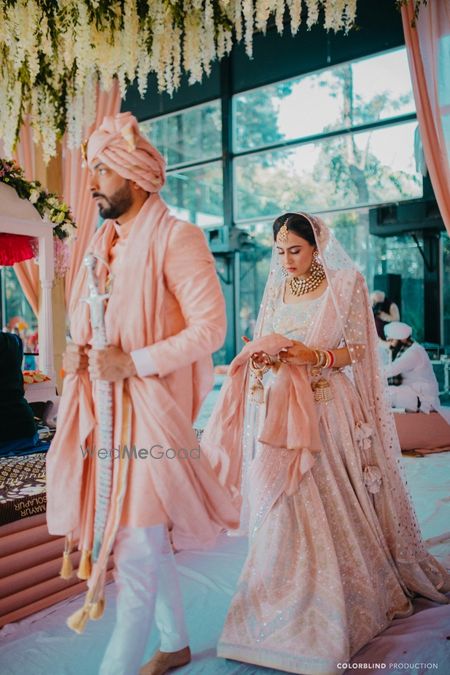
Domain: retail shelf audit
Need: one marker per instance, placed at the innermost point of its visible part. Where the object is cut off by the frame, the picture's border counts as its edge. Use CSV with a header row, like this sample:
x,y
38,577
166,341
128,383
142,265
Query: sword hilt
x,y
96,300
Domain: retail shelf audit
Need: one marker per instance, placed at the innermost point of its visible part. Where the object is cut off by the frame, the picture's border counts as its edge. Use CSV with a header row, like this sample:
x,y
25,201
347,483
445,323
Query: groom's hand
x,y
75,358
110,364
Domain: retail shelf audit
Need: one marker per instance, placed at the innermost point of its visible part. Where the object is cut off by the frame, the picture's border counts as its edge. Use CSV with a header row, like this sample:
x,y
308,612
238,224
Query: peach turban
x,y
119,144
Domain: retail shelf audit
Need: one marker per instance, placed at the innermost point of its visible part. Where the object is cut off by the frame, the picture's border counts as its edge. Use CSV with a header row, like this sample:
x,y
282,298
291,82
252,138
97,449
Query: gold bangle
x,y
324,359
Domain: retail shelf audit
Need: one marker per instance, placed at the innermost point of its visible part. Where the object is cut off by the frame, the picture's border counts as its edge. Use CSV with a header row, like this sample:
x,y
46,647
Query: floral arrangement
x,y
53,53
46,203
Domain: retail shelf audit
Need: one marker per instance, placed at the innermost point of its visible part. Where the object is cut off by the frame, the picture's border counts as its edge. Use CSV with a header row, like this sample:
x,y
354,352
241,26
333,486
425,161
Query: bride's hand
x,y
297,355
267,345
261,359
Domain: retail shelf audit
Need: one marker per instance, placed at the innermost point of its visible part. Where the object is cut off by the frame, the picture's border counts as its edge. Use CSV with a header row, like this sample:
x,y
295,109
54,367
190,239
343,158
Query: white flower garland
x,y
55,53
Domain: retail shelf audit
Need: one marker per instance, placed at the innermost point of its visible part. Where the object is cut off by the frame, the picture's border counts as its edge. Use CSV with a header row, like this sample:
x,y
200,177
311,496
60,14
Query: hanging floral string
x,y
53,53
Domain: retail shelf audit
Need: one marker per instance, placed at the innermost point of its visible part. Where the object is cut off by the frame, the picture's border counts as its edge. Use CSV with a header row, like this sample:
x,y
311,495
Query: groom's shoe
x,y
164,661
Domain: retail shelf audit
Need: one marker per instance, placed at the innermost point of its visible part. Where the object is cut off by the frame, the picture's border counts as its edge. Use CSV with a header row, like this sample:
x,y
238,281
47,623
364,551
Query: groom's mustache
x,y
100,194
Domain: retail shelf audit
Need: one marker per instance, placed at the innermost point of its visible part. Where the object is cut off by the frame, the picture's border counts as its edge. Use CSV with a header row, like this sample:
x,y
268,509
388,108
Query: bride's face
x,y
296,254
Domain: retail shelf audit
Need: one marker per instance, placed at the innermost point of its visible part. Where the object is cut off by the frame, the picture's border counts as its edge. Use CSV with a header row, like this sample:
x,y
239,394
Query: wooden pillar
x,y
46,341
59,328
50,176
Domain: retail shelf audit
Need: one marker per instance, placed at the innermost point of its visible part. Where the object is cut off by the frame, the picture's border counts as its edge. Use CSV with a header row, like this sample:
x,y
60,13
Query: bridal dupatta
x,y
290,422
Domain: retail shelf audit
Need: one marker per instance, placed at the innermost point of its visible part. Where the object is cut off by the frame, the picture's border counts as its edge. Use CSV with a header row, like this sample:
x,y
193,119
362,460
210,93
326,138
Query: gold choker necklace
x,y
302,286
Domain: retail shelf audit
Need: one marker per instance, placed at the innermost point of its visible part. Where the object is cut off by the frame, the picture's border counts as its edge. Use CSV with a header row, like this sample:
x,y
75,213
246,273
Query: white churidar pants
x,y
147,588
403,396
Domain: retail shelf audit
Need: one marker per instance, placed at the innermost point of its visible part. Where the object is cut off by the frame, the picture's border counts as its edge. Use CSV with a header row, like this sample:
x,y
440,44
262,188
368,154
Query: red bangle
x,y
331,358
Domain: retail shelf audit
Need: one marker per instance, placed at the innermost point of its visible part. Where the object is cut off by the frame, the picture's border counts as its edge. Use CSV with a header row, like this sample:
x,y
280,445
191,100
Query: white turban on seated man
x,y
412,382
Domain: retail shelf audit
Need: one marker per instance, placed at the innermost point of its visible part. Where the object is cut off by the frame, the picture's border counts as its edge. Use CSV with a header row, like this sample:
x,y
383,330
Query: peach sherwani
x,y
166,299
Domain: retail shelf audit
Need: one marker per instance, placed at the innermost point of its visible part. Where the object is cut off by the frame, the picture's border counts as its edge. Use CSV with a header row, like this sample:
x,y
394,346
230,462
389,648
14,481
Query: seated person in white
x,y
416,388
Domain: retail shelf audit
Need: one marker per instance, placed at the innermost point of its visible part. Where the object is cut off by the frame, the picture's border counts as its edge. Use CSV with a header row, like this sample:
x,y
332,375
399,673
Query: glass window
x,y
381,256
254,267
370,167
360,92
400,255
196,194
188,136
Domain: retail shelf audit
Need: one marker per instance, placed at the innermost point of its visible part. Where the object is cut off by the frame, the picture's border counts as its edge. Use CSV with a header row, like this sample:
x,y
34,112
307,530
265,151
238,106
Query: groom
x,y
164,319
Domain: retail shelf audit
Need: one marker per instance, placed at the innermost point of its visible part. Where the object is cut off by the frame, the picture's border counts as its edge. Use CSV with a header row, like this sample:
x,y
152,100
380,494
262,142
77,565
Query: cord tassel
x,y
66,570
85,566
77,621
97,609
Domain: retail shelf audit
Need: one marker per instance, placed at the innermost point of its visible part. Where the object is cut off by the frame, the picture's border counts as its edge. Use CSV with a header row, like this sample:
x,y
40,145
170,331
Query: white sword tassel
x,y
103,398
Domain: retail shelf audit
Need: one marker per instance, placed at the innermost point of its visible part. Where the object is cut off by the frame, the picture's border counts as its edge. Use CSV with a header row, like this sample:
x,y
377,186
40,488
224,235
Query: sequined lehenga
x,y
330,566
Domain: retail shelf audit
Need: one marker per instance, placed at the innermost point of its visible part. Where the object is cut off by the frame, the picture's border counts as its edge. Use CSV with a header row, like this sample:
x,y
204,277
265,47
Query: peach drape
x,y
27,271
75,193
76,188
428,47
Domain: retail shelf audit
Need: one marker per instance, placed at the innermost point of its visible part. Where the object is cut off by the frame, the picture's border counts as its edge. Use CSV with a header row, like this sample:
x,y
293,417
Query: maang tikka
x,y
283,233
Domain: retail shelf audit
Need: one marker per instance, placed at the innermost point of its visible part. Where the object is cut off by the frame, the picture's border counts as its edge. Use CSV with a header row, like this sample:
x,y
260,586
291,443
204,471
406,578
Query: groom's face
x,y
111,191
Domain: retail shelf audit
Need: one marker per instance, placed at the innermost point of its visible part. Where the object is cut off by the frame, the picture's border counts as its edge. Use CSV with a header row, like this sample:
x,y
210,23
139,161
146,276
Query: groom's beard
x,y
117,204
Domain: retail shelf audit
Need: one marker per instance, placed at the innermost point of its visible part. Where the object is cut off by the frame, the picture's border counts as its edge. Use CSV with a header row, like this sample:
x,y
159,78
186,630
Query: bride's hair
x,y
296,223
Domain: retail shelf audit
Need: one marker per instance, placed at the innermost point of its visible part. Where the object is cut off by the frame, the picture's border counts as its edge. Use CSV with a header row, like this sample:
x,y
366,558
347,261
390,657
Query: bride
x,y
303,436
